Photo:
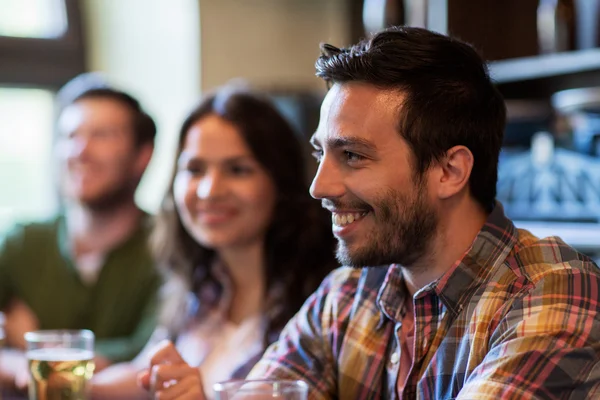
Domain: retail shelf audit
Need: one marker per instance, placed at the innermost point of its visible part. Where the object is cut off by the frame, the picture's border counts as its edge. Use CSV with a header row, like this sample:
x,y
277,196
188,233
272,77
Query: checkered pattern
x,y
516,318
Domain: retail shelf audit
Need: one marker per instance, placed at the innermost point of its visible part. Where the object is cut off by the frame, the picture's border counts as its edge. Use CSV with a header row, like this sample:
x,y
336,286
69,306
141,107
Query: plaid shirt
x,y
515,318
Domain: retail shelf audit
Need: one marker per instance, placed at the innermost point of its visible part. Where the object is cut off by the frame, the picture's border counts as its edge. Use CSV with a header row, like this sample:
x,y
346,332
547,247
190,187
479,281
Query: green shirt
x,y
36,267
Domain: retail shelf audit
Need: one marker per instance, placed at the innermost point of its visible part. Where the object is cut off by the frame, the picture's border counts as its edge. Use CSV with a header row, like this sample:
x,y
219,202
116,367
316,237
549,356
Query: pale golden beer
x,y
59,373
60,364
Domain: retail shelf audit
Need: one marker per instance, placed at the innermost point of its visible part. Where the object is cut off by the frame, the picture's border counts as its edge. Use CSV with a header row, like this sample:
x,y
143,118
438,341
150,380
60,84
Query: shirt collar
x,y
64,242
490,248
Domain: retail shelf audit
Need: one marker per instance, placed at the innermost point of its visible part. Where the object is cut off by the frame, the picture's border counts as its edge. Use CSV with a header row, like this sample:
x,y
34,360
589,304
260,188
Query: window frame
x,y
45,62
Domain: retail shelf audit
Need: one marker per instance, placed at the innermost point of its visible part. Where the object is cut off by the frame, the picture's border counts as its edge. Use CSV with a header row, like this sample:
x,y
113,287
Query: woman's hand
x,y
170,377
19,318
14,370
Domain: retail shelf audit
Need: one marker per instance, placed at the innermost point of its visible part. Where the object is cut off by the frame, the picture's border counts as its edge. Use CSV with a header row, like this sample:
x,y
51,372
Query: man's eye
x,y
353,157
318,155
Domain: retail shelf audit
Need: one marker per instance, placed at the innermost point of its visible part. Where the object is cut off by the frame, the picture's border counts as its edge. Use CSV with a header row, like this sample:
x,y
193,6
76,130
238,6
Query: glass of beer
x,y
261,389
60,363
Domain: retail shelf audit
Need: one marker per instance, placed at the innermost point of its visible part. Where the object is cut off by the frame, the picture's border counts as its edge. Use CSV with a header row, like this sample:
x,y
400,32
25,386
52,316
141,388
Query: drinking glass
x,y
261,389
60,363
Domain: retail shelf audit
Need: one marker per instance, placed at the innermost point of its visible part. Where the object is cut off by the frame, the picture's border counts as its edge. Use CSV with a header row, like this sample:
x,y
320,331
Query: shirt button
x,y
395,358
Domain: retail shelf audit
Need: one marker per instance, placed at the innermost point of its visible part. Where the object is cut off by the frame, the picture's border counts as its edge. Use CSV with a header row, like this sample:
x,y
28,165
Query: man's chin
x,y
361,257
99,202
83,198
351,257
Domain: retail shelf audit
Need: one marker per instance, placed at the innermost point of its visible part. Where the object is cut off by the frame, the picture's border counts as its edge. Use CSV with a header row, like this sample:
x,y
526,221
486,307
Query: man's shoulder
x,y
26,245
32,232
140,238
540,258
352,287
352,279
342,277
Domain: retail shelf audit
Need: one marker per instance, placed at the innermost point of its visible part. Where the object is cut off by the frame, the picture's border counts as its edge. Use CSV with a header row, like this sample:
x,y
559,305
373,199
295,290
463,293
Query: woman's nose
x,y
211,185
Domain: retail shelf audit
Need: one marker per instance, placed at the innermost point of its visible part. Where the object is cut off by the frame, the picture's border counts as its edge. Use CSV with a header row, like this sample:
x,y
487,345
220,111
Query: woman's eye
x,y
192,168
239,170
195,170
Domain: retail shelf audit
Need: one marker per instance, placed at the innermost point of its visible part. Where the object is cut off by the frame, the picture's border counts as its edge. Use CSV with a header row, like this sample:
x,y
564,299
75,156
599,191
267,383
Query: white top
x,y
216,346
220,347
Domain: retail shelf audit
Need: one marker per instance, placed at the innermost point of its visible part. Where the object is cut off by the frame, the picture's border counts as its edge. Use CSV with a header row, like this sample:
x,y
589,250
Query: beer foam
x,y
60,354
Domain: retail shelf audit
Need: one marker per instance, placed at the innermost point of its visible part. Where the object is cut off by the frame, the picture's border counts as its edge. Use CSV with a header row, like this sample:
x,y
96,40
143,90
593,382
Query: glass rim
x,y
57,334
287,384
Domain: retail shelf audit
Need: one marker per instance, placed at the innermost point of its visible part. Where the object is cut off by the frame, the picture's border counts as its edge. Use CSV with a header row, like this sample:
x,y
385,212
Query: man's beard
x,y
108,200
404,228
111,199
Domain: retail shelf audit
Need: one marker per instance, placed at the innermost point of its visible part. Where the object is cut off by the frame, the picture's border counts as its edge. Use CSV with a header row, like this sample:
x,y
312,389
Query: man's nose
x,y
78,145
327,182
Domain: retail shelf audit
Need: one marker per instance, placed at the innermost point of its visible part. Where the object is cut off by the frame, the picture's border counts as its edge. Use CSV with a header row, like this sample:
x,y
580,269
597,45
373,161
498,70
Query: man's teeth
x,y
343,219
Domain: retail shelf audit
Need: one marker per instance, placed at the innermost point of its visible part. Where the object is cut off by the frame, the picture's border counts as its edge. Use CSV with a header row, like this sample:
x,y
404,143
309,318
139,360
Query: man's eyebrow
x,y
345,141
350,141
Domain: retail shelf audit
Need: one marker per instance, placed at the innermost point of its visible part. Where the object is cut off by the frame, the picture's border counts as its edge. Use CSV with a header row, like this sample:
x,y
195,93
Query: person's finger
x,y
165,353
189,386
164,375
143,379
22,380
22,376
192,396
19,318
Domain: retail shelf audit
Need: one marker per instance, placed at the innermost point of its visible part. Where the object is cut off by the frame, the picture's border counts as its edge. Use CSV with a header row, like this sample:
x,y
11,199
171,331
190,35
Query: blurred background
x,y
544,56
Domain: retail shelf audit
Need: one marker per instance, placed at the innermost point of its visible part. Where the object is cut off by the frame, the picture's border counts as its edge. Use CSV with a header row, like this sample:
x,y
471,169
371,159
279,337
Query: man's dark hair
x,y
95,85
449,98
144,127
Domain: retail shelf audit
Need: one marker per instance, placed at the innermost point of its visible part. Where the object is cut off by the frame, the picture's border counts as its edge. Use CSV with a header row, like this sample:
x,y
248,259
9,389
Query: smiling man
x,y
90,267
441,297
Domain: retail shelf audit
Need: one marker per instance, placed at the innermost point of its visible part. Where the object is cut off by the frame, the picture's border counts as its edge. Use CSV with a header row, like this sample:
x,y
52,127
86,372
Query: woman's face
x,y
224,197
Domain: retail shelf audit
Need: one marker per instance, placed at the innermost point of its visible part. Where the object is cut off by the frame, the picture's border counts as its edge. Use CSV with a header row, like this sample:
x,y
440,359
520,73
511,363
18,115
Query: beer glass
x,y
60,363
261,389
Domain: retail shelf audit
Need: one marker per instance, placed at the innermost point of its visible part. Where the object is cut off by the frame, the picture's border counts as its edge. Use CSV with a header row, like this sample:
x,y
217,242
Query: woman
x,y
241,241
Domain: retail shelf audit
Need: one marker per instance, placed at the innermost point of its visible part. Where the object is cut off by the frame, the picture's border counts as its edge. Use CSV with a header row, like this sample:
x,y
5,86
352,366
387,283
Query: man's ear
x,y
143,157
455,169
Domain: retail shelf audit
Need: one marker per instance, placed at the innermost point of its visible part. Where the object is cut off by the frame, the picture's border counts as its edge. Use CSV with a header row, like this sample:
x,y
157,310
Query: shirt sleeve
x,y
125,348
547,345
303,350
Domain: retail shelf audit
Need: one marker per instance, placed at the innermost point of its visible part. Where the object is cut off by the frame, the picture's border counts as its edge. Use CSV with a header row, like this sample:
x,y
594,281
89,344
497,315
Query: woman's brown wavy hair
x,y
299,245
